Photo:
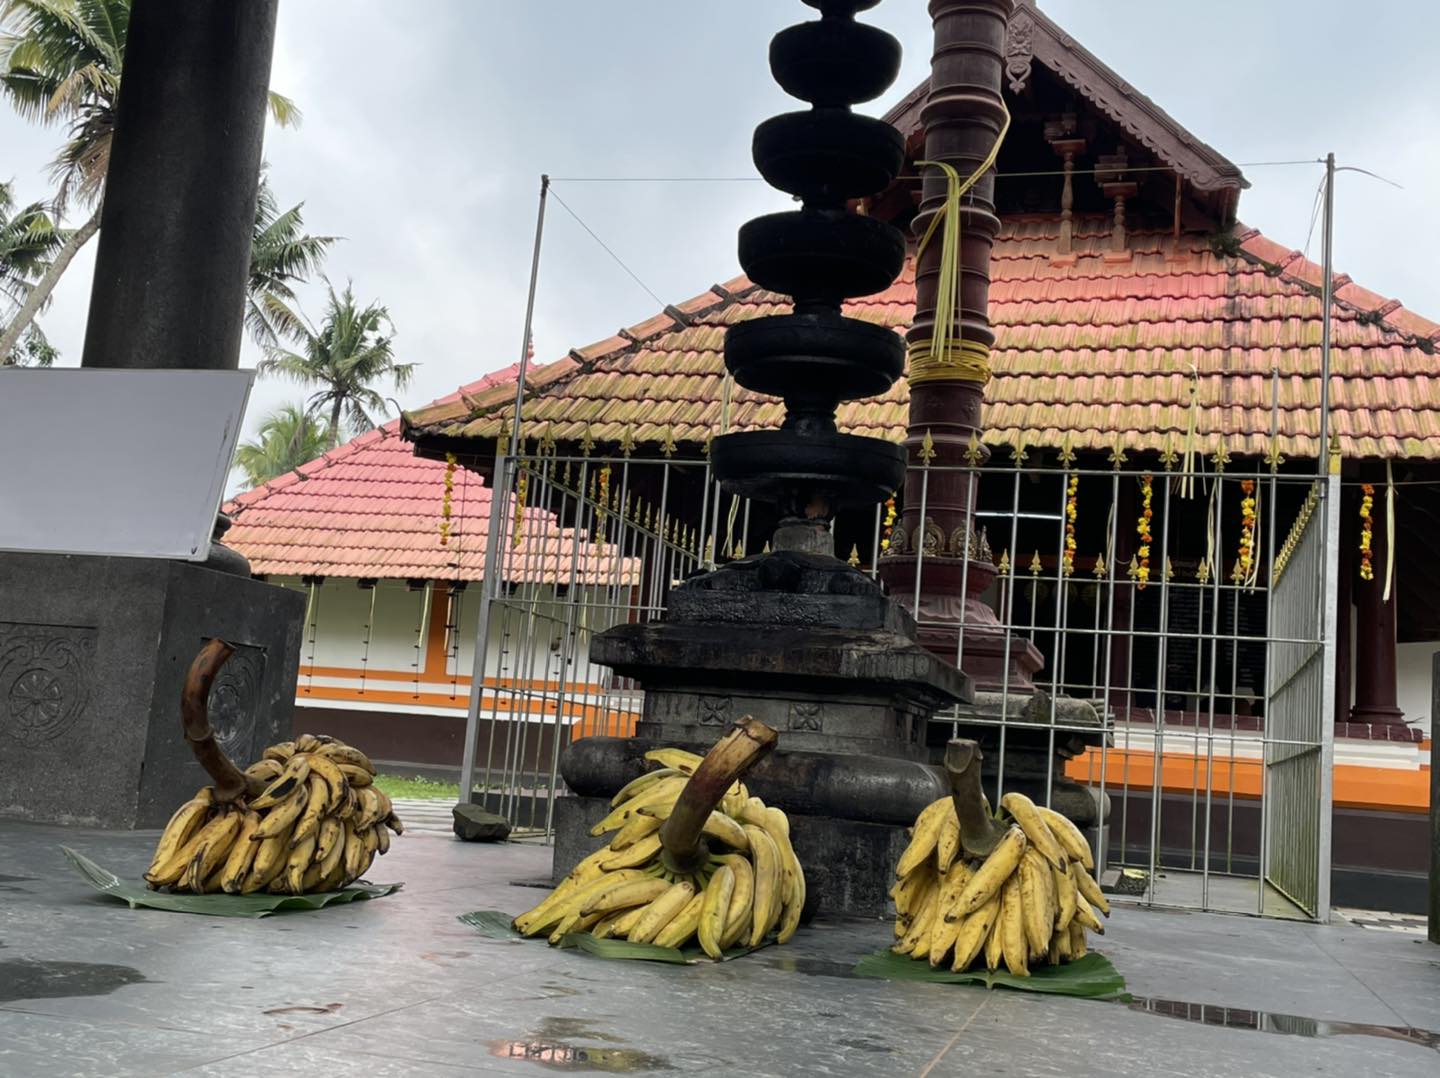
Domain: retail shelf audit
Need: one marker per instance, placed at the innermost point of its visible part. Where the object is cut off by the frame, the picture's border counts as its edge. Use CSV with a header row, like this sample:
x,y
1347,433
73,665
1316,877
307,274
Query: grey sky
x,y
428,123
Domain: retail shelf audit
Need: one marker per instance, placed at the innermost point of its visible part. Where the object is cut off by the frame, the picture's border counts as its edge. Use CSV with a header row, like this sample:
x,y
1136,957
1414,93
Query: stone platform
x,y
398,987
93,652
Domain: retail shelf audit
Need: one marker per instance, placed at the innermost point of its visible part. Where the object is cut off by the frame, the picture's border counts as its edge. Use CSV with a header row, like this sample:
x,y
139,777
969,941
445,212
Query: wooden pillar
x,y
1374,653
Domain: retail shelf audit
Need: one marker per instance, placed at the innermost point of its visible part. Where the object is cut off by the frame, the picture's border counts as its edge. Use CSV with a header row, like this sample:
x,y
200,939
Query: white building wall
x,y
1412,675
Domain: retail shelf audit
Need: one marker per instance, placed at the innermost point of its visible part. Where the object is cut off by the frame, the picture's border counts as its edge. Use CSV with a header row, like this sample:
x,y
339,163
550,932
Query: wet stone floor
x,y
398,986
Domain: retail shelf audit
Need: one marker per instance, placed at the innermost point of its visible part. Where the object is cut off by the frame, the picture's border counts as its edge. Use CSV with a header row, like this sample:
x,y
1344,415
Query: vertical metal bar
x,y
1326,764
1327,287
482,633
529,319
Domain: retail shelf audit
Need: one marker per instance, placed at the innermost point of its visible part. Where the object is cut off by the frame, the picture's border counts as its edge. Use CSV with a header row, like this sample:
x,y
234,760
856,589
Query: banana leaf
x,y
1092,977
497,925
222,905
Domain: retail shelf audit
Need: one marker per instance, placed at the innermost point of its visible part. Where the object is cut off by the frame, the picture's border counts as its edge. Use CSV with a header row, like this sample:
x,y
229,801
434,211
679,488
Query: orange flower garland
x,y
889,525
1072,510
602,500
1367,528
522,487
1247,531
1142,527
445,499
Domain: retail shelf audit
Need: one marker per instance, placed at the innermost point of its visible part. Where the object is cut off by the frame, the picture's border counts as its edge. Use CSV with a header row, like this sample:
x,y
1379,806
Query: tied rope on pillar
x,y
1389,531
941,358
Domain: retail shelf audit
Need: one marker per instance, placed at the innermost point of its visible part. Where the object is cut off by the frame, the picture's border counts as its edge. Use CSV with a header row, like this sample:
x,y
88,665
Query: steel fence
x,y
1146,586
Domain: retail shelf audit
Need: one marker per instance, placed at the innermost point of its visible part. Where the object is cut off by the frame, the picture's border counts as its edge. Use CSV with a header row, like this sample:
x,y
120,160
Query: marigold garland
x,y
522,488
1072,510
1367,528
602,499
1247,532
889,525
1142,528
450,463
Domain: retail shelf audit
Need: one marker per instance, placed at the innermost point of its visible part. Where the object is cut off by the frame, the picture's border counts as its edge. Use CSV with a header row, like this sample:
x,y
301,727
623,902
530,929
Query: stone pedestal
x,y
93,652
812,648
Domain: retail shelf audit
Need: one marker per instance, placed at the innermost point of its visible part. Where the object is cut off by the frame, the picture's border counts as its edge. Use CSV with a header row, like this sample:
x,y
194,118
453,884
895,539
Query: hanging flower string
x,y
1246,561
1142,528
1072,510
602,499
1367,529
522,488
889,525
446,498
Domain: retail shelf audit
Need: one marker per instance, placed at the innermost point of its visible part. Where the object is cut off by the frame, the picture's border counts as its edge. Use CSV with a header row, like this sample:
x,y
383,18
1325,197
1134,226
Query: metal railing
x,y
1214,765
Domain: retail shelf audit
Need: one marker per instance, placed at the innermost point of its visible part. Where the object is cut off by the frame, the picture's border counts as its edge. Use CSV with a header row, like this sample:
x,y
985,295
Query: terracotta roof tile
x,y
1091,349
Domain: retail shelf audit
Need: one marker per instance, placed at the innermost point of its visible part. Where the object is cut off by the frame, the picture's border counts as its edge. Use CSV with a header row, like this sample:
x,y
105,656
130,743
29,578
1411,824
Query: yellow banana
x,y
738,918
627,892
661,912
302,856
1064,898
947,845
297,770
261,774
393,822
752,810
382,839
1078,946
212,847
952,887
717,824
1070,837
1012,919
943,934
644,850
1037,831
283,816
919,929
357,777
680,929
346,754
1035,902
280,753
1062,944
669,787
315,807
777,826
638,786
991,875
1085,916
371,810
326,768
636,828
355,859
711,926
188,820
307,743
767,903
677,759
310,882
605,927
268,863
1087,886
973,934
995,941
242,855
330,845
926,835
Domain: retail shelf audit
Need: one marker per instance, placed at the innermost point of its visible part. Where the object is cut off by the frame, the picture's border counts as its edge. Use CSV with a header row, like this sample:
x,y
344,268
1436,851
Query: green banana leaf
x,y
138,895
1092,977
497,925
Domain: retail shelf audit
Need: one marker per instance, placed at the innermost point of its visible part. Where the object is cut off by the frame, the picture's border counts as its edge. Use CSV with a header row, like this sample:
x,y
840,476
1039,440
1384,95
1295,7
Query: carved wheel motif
x,y
44,679
234,701
714,710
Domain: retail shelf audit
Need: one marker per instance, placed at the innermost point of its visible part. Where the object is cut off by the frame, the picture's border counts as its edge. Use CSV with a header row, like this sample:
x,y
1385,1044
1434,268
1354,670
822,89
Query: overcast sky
x,y
428,123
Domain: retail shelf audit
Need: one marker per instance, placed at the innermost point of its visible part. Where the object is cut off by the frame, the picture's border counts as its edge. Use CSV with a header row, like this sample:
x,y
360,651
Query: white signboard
x,y
116,462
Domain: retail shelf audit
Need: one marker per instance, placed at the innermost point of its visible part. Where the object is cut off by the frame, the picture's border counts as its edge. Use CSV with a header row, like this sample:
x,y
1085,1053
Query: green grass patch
x,y
416,787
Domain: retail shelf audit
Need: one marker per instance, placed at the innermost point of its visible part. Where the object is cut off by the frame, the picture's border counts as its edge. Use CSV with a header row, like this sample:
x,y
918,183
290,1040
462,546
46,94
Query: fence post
x,y
1434,905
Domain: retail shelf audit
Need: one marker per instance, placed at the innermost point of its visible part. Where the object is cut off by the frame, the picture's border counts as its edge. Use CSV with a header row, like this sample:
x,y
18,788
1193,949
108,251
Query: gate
x,y
1300,695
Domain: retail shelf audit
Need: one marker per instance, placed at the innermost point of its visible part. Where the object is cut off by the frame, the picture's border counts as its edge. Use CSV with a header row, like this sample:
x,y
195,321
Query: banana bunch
x,y
745,883
1029,901
309,820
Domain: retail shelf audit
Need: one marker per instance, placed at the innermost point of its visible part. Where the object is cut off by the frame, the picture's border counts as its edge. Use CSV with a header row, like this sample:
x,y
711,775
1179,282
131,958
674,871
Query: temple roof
x,y
1094,351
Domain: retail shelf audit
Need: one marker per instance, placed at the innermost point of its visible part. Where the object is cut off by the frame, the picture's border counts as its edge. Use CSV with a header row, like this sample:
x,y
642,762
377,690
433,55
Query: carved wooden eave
x,y
1035,38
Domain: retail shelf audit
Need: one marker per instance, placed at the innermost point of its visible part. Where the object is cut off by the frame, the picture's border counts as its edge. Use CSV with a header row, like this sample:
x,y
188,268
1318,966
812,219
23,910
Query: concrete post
x,y
1434,902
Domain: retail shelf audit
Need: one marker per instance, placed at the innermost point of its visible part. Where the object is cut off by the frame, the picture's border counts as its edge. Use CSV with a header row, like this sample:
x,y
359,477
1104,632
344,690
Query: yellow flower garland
x,y
1367,528
1072,510
1247,531
1142,570
450,463
889,525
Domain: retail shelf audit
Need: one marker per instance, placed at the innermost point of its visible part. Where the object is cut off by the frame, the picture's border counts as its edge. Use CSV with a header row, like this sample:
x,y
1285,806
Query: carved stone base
x,y
92,655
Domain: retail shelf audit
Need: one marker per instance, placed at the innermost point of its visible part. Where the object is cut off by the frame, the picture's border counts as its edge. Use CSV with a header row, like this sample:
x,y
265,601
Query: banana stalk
x,y
980,832
230,781
683,851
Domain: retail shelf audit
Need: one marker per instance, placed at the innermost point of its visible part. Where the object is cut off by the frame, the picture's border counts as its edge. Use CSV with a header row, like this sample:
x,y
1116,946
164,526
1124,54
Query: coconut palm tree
x,y
345,357
60,63
286,439
28,241
281,256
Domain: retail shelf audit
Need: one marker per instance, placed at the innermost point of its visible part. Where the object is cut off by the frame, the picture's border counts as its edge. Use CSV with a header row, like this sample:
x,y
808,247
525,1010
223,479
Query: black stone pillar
x,y
180,194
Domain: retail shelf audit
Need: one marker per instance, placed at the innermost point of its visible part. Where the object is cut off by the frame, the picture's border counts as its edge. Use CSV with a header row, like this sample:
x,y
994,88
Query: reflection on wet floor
x,y
1270,1022
26,979
811,967
557,1055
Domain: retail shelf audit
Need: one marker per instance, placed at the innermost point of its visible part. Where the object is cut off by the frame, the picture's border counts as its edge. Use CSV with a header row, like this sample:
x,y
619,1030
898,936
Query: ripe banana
x,y
661,912
1031,901
714,907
